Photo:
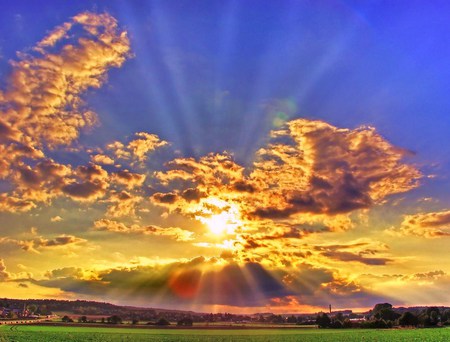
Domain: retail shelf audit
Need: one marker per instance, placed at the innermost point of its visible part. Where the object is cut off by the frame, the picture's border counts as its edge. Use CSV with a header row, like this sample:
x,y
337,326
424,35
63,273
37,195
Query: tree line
x,y
383,316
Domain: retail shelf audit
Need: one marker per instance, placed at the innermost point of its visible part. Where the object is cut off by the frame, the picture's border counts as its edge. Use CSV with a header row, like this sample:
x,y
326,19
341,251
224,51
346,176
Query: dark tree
x,y
336,324
408,319
188,322
387,314
114,319
291,319
445,316
162,321
323,321
380,306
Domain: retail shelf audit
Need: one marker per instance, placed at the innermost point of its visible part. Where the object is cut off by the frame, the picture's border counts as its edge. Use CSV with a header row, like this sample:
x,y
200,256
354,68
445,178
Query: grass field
x,y
32,333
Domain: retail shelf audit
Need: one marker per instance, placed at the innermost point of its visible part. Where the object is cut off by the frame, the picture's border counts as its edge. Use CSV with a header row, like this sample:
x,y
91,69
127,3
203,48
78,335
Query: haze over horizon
x,y
226,155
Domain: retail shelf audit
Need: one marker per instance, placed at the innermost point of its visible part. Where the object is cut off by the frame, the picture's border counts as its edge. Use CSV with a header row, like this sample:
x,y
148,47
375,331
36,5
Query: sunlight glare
x,y
223,220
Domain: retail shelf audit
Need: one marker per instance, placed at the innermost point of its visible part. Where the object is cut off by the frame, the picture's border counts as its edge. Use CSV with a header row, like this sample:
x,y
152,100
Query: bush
x,y
162,321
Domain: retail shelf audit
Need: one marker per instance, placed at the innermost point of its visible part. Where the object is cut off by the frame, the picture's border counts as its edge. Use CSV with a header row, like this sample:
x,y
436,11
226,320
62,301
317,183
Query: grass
x,y
34,333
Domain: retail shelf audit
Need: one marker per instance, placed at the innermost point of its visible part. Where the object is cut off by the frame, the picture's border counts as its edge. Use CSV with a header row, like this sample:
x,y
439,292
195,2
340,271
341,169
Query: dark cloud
x,y
85,190
348,256
192,194
167,198
194,282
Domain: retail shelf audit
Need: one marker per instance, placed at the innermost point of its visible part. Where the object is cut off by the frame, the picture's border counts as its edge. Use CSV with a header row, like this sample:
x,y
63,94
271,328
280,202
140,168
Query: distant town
x,y
383,315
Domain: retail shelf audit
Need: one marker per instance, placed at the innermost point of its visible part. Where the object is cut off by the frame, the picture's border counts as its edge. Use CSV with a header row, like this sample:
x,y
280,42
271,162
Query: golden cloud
x,y
175,233
4,275
42,107
124,204
308,179
33,245
137,149
314,167
427,225
43,95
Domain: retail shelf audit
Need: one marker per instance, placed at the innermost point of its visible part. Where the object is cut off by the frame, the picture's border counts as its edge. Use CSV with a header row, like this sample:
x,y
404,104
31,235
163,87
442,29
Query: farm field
x,y
34,333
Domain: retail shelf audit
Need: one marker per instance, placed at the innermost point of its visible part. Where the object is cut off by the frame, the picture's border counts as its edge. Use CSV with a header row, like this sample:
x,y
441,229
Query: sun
x,y
221,224
220,217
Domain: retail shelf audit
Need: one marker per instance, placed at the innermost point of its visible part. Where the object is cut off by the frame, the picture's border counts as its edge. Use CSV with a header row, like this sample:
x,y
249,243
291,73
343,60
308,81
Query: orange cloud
x,y
43,95
137,149
129,179
314,167
175,233
33,245
427,225
102,159
124,204
308,179
42,107
4,275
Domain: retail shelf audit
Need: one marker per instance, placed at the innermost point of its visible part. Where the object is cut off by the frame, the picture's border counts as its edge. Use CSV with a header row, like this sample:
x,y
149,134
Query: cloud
x,y
4,275
91,183
175,283
358,253
56,218
201,281
431,275
43,95
62,240
129,179
42,108
314,167
123,204
348,256
137,149
412,289
102,159
14,204
33,245
428,225
175,233
311,173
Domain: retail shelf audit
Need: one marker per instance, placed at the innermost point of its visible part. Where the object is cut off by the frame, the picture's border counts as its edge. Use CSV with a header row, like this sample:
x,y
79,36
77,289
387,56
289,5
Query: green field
x,y
31,333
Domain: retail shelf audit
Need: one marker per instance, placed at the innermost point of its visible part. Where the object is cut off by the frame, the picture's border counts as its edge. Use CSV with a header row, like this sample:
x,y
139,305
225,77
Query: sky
x,y
239,156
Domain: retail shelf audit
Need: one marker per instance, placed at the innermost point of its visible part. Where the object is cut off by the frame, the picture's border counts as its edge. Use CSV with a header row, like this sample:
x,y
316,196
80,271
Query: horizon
x,y
223,312
222,156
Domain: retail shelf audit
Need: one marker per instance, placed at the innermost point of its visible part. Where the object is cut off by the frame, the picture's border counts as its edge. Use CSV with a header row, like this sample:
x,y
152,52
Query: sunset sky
x,y
240,156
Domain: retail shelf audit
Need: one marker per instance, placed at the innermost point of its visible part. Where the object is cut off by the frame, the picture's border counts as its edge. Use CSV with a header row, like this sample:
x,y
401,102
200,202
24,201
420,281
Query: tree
x,y
430,317
445,316
187,321
408,319
162,321
67,319
323,321
347,323
11,315
378,307
387,314
82,319
32,308
339,317
291,319
114,319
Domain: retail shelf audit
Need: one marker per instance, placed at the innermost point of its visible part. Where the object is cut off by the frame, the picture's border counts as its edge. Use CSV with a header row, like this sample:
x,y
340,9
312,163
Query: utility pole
x,y
330,308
